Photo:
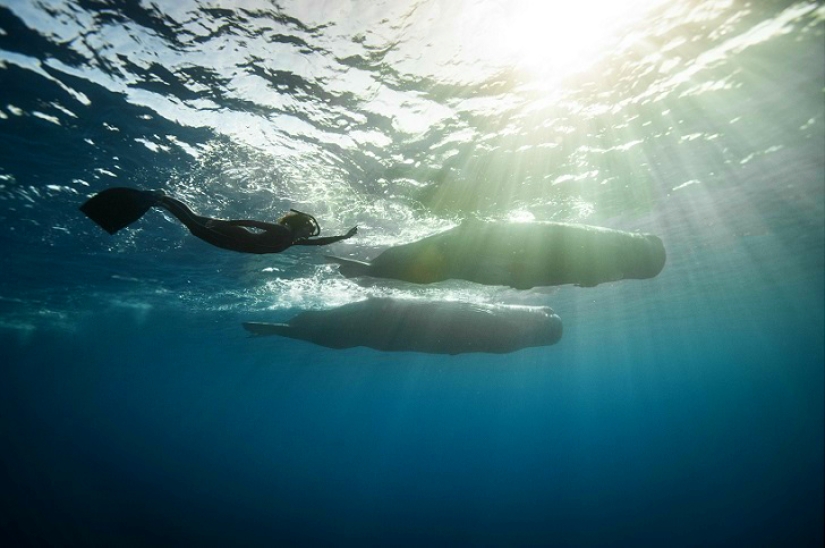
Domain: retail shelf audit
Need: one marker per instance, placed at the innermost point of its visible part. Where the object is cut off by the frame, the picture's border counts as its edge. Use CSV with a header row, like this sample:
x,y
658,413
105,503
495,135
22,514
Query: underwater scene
x,y
412,273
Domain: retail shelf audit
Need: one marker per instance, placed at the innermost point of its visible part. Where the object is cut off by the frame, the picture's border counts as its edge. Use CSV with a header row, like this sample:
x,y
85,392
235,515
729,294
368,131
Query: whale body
x,y
414,325
519,255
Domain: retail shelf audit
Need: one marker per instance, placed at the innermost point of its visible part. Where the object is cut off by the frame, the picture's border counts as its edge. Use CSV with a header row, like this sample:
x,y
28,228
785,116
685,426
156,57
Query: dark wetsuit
x,y
236,235
116,208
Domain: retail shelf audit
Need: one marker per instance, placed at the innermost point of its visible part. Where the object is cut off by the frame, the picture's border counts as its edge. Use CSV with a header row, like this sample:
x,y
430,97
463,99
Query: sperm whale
x,y
416,325
519,255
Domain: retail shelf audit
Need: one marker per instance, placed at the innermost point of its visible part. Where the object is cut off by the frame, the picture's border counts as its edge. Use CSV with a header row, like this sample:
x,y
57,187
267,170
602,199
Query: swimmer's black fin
x,y
117,208
263,328
349,268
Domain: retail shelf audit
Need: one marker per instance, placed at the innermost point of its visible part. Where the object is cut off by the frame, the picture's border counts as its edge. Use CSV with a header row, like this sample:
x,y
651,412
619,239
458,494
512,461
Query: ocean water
x,y
684,410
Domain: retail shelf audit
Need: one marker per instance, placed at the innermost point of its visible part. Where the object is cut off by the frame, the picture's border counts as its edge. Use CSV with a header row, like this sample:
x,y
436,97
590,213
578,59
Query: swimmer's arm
x,y
329,239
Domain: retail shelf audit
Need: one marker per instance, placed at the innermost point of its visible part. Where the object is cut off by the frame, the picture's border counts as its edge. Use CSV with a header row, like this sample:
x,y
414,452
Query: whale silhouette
x,y
519,255
415,325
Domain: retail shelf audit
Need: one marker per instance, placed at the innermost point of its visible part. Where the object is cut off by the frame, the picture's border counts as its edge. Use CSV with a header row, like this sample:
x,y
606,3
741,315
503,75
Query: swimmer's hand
x,y
326,241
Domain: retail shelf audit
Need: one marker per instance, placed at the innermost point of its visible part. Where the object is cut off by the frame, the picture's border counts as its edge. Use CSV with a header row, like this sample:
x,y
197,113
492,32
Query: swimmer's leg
x,y
117,208
181,211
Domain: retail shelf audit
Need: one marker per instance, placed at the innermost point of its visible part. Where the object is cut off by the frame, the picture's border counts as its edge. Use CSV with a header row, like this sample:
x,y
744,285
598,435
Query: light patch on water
x,y
520,216
686,184
63,109
47,117
312,292
711,85
191,151
24,331
106,172
125,278
583,209
61,188
154,147
555,39
140,310
374,138
751,156
569,177
53,319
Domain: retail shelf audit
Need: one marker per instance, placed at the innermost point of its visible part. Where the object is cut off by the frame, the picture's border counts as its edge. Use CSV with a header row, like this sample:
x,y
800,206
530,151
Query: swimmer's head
x,y
302,225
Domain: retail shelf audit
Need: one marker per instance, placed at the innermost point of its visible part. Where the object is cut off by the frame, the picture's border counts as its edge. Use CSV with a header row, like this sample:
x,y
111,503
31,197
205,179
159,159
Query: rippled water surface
x,y
683,410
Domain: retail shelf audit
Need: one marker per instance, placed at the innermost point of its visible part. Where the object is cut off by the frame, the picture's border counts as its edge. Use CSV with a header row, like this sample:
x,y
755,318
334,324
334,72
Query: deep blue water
x,y
685,410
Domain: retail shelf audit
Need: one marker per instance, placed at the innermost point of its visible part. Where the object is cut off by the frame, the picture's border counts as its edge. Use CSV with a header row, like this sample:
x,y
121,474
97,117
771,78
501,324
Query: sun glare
x,y
553,38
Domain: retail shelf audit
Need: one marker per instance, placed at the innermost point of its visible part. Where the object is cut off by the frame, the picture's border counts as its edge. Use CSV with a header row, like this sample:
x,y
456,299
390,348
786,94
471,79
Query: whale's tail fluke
x,y
263,328
117,208
349,268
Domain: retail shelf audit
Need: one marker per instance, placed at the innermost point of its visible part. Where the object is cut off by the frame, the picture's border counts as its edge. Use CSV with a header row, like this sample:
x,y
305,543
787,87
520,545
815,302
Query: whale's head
x,y
548,329
646,260
536,326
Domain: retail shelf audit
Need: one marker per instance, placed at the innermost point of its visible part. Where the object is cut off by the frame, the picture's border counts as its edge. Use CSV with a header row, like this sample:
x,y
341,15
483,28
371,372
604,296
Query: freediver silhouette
x,y
116,208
